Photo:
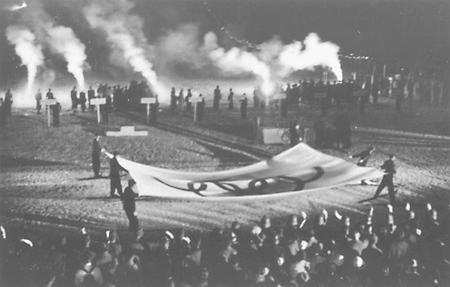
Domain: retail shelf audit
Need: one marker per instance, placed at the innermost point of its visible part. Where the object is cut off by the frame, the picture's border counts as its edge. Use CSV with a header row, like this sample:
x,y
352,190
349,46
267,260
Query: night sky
x,y
407,32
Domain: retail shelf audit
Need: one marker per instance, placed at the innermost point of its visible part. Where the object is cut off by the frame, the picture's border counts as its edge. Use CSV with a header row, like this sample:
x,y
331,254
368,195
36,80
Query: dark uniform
x,y
96,151
74,98
244,104
217,97
8,102
388,178
173,100
83,101
188,101
38,98
293,134
114,176
129,205
230,100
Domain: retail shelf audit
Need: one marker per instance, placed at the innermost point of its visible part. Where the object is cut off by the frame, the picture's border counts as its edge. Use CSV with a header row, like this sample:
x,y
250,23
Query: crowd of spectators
x,y
323,251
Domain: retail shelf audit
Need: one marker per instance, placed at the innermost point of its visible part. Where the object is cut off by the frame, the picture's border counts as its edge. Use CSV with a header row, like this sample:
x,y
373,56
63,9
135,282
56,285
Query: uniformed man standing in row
x,y
217,98
38,98
244,104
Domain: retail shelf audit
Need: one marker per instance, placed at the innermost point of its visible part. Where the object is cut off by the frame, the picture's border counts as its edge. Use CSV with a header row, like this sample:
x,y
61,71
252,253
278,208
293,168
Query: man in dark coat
x,y
173,100
96,151
388,178
230,100
129,205
74,98
188,101
217,97
114,176
244,104
8,102
83,101
49,94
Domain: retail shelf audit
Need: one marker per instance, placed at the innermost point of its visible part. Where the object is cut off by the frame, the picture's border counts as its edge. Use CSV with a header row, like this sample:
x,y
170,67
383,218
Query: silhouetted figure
x,y
38,98
244,104
49,94
83,101
188,101
129,205
114,176
388,178
294,137
173,100
74,98
8,102
217,98
230,100
96,151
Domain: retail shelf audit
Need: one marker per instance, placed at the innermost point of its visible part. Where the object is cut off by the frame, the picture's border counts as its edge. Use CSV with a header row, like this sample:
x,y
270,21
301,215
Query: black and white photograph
x,y
223,143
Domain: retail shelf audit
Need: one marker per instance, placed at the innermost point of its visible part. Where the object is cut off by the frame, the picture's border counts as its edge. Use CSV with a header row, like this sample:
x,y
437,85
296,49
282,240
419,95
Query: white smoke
x,y
28,50
57,39
125,32
313,52
63,40
18,7
237,60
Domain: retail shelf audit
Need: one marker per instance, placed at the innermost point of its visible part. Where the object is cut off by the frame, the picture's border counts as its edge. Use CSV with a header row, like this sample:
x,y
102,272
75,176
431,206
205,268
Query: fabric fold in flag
x,y
295,171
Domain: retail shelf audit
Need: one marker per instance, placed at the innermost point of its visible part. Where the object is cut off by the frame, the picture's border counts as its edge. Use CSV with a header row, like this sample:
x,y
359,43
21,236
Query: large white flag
x,y
297,170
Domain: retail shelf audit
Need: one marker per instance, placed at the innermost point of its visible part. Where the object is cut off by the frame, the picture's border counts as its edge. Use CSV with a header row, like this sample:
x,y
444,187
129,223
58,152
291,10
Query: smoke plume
x,y
237,60
63,41
313,52
58,39
28,50
124,31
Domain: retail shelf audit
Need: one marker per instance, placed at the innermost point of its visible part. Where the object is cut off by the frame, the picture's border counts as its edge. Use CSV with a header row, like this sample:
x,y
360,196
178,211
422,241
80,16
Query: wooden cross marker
x,y
48,103
148,101
97,102
195,101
